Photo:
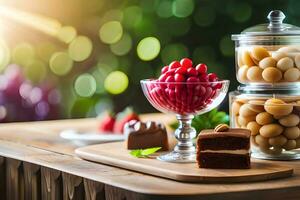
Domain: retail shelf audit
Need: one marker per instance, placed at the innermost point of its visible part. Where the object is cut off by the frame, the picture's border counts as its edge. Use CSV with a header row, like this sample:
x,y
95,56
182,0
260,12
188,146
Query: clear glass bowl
x,y
185,100
273,117
268,54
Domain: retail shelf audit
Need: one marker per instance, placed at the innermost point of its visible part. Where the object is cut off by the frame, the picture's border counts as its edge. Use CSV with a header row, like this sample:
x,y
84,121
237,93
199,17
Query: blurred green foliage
x,y
133,38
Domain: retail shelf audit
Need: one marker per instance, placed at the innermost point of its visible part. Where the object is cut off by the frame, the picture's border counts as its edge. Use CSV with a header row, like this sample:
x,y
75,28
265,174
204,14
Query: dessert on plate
x,y
142,135
224,148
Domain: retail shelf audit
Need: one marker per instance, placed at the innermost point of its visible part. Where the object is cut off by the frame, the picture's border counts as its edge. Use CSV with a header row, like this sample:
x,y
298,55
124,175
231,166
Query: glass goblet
x,y
185,99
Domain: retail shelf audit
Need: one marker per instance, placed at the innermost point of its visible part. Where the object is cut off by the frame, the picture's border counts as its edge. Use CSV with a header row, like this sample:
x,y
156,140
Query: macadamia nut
x,y
285,63
271,74
267,62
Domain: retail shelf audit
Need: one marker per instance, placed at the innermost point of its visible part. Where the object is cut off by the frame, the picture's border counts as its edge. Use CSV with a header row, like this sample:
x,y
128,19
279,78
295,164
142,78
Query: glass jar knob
x,y
276,18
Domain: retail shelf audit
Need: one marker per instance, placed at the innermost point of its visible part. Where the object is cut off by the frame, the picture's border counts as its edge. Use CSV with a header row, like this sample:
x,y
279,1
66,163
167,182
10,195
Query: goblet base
x,y
177,157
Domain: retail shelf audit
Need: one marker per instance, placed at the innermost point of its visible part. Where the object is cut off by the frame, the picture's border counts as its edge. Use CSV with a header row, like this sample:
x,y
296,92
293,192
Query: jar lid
x,y
275,27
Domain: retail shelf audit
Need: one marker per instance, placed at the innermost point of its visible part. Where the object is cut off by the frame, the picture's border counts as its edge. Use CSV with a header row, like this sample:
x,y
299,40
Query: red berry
x,y
162,78
174,65
170,79
181,70
107,123
119,125
192,71
170,72
201,68
179,78
203,78
192,79
187,63
164,69
212,77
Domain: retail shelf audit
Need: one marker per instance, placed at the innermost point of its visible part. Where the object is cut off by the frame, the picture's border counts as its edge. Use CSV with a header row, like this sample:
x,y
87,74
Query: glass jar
x,y
272,116
268,54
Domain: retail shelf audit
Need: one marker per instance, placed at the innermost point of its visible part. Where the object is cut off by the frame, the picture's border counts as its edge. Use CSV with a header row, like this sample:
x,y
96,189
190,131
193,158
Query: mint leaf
x,y
143,153
149,151
136,153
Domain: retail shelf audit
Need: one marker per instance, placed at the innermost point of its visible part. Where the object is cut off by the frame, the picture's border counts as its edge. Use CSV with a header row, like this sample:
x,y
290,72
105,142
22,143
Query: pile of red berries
x,y
184,89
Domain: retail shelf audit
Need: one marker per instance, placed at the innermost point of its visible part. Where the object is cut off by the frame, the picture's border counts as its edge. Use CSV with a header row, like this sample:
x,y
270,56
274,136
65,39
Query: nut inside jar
x,y
268,64
274,123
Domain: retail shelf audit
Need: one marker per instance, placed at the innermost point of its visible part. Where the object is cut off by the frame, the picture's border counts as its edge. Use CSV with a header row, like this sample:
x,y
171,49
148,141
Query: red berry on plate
x,y
201,68
164,69
119,125
187,63
174,65
192,71
179,78
107,123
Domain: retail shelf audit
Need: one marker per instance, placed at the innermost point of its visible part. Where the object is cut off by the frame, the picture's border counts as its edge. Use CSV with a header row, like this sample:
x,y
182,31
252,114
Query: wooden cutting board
x,y
116,155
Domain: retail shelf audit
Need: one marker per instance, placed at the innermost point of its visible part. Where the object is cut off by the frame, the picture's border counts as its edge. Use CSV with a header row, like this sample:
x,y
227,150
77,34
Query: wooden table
x,y
35,163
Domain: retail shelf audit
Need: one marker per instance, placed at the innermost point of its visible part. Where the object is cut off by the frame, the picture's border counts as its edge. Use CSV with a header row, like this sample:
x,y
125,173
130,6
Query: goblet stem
x,y
185,134
184,151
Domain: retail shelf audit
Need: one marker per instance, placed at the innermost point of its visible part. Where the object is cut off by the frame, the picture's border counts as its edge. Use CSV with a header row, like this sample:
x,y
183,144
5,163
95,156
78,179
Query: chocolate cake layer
x,y
234,132
220,143
223,161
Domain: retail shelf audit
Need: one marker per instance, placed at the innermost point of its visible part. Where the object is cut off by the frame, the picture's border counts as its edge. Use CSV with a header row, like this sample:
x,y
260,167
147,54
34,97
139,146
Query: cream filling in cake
x,y
238,151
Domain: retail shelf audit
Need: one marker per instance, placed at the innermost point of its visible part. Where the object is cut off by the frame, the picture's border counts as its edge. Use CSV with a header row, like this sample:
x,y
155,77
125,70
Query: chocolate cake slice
x,y
228,149
142,135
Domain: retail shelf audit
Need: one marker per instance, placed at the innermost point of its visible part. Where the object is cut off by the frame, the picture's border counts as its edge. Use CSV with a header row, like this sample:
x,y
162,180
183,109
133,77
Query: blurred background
x,y
77,58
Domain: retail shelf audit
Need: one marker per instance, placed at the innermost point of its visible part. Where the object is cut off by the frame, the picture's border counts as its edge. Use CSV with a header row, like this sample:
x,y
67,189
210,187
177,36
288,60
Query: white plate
x,y
82,138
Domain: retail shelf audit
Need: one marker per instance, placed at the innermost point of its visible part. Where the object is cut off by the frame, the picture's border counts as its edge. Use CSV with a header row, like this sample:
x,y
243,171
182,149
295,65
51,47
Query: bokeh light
x,y
123,46
182,8
66,34
164,9
111,32
61,63
116,82
45,50
85,85
22,54
80,48
36,71
148,48
132,16
113,15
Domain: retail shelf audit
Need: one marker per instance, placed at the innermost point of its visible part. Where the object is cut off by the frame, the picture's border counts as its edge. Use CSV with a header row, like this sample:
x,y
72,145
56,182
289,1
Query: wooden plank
x,y
73,188
14,179
32,179
51,184
2,177
93,190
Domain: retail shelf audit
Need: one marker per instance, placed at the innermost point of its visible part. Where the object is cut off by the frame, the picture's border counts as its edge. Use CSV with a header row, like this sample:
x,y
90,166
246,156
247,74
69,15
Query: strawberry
x,y
123,118
107,123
